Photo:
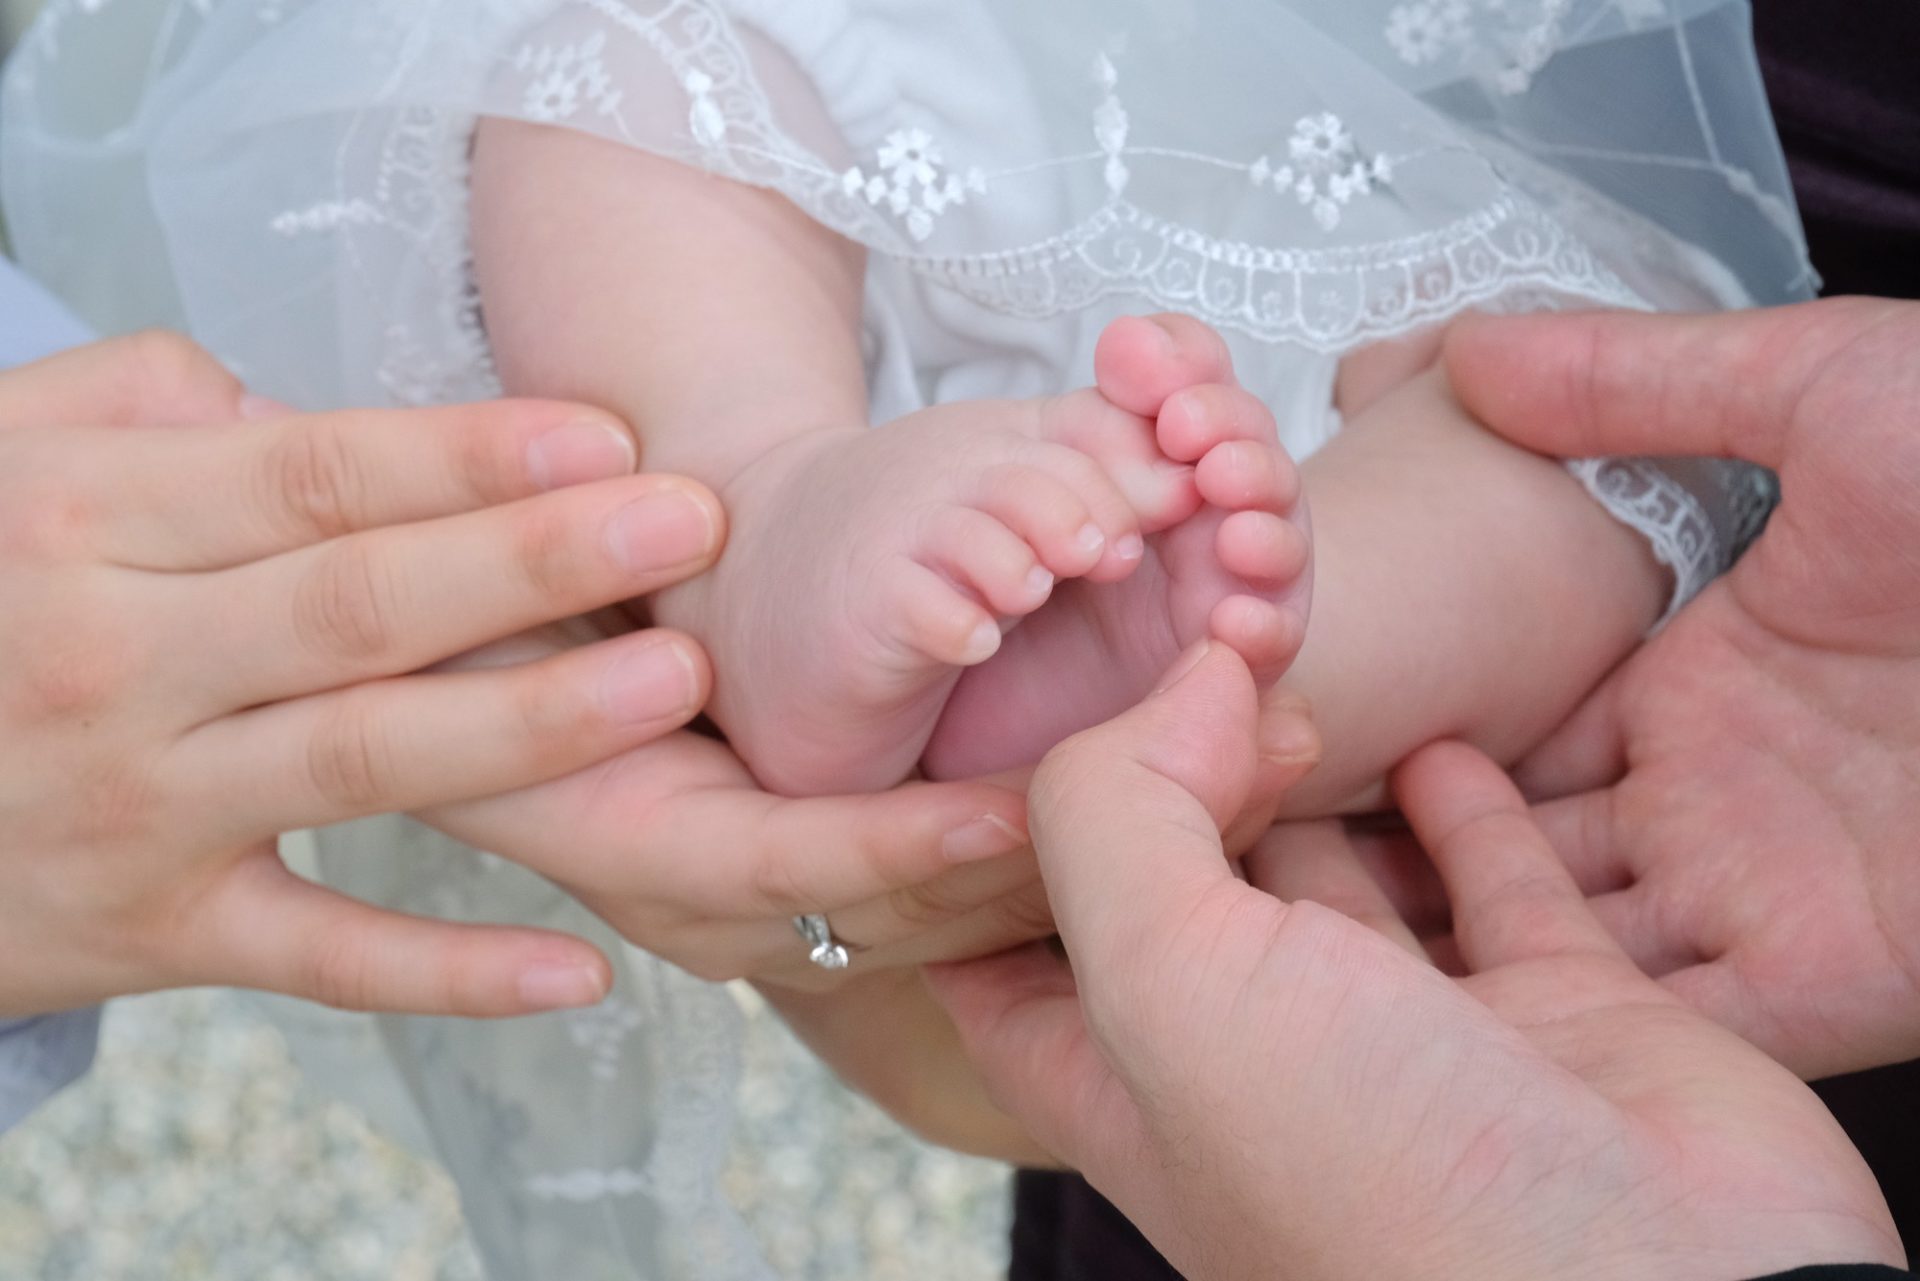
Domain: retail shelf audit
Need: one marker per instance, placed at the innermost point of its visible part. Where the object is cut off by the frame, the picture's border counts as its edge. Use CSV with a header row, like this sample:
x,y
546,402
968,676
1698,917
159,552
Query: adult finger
x,y
1317,862
428,740
153,379
1583,832
1022,1025
1588,751
1126,817
1612,383
681,820
298,480
394,600
1513,900
271,930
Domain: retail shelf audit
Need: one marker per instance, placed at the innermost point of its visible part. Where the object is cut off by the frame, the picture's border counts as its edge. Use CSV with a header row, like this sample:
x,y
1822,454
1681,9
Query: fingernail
x,y
656,683
1184,667
1091,540
1289,739
579,452
1039,584
260,409
666,529
1130,547
988,836
562,987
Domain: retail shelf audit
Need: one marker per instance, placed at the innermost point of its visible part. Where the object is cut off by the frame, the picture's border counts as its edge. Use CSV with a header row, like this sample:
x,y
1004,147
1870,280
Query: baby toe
x,y
1198,419
1141,361
1267,636
982,556
928,619
1243,475
1262,549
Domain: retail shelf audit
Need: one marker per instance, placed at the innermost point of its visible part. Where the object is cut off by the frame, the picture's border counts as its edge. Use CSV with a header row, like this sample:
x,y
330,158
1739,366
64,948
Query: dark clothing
x,y
1846,94
1065,1231
1844,79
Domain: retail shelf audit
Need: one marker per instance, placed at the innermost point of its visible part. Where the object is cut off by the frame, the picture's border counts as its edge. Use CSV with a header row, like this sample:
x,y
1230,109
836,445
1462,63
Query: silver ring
x,y
829,953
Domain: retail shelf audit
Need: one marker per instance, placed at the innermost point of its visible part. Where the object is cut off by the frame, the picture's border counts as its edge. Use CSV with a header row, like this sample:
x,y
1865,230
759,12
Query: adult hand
x,y
677,848
1269,1087
205,627
1742,797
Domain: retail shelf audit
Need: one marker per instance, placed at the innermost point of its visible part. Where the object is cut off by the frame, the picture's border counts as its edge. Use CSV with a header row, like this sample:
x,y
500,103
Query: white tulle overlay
x,y
287,179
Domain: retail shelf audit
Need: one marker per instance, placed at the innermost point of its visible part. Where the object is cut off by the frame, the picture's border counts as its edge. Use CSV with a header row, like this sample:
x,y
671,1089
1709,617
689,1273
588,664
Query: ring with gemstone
x,y
829,953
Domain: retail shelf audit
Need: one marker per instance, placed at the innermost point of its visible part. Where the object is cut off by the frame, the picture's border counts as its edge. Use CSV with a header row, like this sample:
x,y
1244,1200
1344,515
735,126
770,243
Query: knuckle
x,y
337,972
169,367
43,514
923,906
774,879
350,760
315,481
89,674
347,606
1024,916
548,556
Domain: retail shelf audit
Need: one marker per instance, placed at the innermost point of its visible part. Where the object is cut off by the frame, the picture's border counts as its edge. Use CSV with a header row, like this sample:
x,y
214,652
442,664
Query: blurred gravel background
x,y
197,1152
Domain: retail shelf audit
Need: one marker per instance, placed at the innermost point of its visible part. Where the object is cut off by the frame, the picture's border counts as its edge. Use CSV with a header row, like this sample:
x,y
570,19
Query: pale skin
x,y
725,325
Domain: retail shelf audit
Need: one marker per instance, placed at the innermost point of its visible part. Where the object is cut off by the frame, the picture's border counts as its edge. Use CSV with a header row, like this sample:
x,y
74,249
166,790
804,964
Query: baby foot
x,y
1235,566
867,569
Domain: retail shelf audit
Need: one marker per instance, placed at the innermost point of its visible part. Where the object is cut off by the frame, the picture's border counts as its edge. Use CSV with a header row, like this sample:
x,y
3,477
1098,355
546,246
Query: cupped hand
x,y
1741,798
206,633
1268,1087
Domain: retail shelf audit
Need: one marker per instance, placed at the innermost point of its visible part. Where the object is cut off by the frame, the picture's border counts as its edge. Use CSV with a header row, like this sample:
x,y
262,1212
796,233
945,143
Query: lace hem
x,y
1641,494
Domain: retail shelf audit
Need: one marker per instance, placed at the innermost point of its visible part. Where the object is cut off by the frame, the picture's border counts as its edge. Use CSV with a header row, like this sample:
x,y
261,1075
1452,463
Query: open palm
x,y
1742,799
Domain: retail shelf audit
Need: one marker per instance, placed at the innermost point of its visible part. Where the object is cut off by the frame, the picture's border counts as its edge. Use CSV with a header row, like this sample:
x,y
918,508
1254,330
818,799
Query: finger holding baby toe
x,y
980,555
1266,636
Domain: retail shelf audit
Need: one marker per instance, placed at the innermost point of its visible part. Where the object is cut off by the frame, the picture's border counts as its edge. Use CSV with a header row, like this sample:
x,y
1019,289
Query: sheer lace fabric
x,y
287,178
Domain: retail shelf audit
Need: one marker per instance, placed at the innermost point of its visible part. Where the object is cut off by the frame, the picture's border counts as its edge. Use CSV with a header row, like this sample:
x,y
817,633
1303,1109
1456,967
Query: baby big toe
x,y
1141,361
1196,420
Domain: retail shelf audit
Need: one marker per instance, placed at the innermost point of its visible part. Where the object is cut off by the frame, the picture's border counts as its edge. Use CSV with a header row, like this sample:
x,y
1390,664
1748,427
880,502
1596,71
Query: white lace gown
x,y
286,179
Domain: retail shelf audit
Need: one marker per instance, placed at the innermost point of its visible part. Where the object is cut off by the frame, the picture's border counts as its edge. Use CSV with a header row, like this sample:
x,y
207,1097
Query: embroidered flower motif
x,y
912,181
1325,170
1425,31
1508,41
563,79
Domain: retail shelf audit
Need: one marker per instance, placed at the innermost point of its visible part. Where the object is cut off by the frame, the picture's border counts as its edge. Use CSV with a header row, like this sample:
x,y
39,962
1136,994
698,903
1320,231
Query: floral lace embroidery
x,y
913,181
1325,170
1514,38
563,79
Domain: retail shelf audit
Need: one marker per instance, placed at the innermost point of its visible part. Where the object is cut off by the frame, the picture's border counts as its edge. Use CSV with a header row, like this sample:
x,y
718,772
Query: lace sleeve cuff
x,y
1699,514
